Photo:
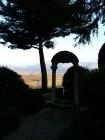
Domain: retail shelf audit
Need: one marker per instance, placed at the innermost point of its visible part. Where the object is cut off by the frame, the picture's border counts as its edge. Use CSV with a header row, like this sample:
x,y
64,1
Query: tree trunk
x,y
43,66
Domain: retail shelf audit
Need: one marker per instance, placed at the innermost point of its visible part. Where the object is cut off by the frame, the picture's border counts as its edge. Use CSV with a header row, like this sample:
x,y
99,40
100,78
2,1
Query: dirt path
x,y
40,126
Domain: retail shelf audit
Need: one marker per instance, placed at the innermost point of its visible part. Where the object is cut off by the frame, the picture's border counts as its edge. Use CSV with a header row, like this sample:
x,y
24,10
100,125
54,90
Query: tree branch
x,y
35,47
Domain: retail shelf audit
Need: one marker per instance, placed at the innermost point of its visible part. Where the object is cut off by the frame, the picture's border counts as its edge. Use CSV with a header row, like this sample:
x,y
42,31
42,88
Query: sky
x,y
85,53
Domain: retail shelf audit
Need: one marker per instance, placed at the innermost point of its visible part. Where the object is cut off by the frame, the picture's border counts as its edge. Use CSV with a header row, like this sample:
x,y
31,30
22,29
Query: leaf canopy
x,y
24,22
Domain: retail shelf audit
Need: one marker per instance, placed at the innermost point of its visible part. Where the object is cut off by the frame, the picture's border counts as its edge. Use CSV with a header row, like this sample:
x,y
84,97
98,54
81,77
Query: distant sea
x,y
31,69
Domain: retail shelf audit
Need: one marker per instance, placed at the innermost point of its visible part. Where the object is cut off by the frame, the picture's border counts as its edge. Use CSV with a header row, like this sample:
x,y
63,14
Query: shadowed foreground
x,y
40,126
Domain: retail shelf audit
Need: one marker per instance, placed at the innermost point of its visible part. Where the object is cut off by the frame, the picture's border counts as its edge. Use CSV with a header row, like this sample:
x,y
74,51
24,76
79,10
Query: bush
x,y
68,80
15,93
32,102
9,120
92,95
12,86
59,93
15,99
92,91
90,123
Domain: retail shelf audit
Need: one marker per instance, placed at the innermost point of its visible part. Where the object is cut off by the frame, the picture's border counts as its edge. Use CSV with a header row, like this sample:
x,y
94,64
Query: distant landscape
x,y
32,69
34,80
31,73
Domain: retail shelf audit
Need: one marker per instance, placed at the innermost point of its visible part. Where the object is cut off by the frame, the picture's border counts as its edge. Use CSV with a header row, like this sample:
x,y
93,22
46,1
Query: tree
x,y
101,57
23,30
32,24
94,13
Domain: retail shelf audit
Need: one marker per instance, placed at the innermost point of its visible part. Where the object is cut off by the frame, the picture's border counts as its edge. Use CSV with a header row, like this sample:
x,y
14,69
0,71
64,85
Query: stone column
x,y
53,95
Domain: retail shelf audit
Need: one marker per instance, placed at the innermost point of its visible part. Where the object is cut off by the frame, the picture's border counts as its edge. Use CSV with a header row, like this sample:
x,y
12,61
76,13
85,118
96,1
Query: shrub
x,y
14,92
16,98
68,80
101,57
92,92
32,102
92,95
90,123
59,93
9,120
12,86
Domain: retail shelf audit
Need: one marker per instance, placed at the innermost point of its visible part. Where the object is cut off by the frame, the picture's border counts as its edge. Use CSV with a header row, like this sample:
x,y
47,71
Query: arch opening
x,y
64,57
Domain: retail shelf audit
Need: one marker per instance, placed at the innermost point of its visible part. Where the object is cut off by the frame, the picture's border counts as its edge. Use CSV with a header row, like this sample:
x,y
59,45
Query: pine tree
x,y
33,24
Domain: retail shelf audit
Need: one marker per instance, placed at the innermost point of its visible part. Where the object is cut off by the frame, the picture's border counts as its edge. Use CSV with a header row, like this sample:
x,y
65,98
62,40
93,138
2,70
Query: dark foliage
x,y
92,96
101,57
92,92
27,22
93,12
12,86
32,102
68,80
89,124
48,20
16,99
33,24
12,89
15,93
59,93
9,120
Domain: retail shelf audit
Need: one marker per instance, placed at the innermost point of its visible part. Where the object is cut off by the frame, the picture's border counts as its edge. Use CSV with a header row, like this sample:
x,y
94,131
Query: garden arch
x,y
65,57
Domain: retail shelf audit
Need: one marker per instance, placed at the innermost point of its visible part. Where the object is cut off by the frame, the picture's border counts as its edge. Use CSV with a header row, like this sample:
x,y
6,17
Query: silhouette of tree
x,y
101,57
93,11
33,24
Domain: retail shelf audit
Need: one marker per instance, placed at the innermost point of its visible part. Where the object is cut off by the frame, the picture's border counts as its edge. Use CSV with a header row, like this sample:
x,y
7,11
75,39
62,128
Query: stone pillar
x,y
53,95
76,96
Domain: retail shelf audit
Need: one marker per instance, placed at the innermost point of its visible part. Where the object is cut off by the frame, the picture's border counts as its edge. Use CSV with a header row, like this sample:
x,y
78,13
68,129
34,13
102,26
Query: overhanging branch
x,y
35,47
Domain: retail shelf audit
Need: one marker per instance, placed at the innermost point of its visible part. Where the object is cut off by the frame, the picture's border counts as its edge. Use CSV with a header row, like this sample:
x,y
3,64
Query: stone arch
x,y
65,57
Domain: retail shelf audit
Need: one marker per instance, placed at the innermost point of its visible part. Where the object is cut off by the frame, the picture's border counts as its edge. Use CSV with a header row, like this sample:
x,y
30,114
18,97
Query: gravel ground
x,y
43,125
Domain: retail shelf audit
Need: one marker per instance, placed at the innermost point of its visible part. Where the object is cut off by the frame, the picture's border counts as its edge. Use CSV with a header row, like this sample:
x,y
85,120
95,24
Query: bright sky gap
x,y
85,53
